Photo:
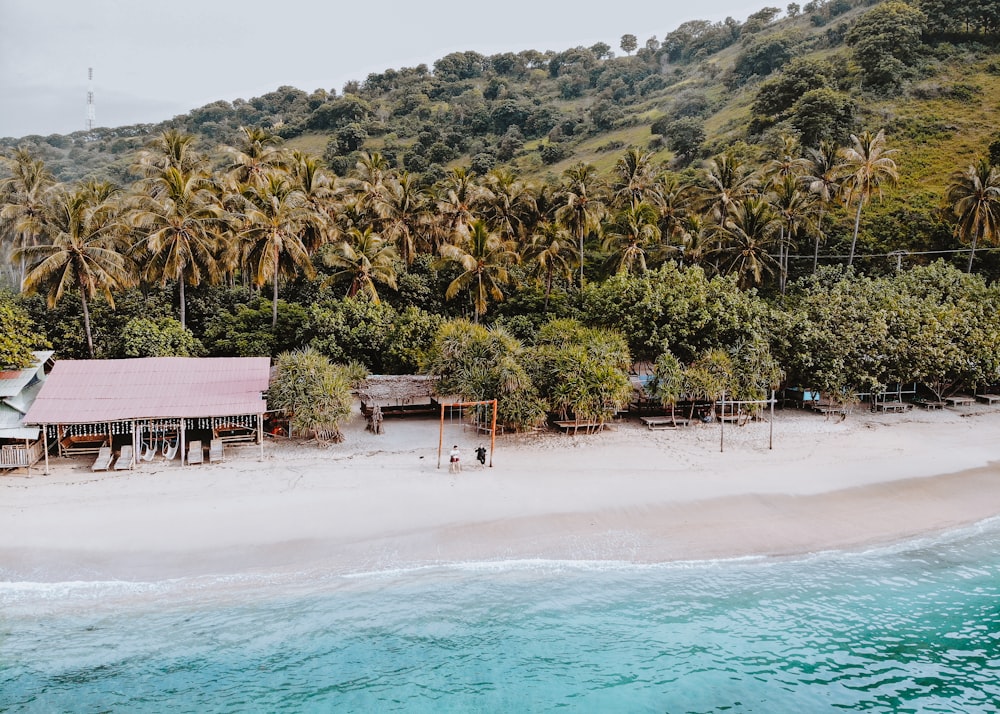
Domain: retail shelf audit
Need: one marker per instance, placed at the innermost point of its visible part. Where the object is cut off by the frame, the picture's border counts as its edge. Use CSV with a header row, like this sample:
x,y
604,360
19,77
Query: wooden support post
x,y
493,432
260,434
45,436
441,435
770,438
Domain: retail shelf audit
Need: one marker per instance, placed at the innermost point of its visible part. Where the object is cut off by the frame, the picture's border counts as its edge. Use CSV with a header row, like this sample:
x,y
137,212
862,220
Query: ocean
x,y
914,627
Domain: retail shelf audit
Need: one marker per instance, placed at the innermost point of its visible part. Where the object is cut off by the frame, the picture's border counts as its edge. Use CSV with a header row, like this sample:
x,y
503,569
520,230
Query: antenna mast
x,y
91,114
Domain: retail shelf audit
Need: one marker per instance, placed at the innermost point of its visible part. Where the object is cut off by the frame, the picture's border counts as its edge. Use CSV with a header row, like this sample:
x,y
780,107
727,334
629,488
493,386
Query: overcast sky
x,y
154,60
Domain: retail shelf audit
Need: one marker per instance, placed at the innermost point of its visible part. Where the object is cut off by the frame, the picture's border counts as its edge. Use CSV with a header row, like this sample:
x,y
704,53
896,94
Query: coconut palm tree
x,y
748,239
824,182
320,193
634,178
22,202
275,219
366,259
459,199
509,204
404,216
82,226
627,236
169,149
256,155
867,168
792,203
180,219
581,203
483,257
728,180
551,250
974,199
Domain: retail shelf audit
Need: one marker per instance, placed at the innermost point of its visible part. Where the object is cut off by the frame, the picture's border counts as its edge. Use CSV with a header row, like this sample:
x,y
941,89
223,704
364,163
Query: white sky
x,y
154,60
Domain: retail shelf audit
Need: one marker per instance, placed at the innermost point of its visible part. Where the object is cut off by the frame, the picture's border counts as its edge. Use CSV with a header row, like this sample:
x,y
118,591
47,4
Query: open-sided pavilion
x,y
85,405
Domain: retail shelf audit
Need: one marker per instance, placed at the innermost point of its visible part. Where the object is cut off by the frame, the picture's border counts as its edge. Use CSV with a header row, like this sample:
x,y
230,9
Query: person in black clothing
x,y
481,455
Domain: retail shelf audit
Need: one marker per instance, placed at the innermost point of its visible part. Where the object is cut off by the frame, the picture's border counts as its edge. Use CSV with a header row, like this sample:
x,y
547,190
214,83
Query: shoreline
x,y
626,495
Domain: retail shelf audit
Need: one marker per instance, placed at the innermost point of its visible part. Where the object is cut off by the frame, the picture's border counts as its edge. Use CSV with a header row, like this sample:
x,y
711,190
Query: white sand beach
x,y
627,494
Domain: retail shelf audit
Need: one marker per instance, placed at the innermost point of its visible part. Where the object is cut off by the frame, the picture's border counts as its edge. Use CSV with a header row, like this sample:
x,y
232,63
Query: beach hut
x,y
21,445
154,404
400,394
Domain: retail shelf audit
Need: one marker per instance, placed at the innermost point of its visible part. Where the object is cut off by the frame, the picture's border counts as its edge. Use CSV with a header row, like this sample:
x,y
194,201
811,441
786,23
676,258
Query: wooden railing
x,y
17,456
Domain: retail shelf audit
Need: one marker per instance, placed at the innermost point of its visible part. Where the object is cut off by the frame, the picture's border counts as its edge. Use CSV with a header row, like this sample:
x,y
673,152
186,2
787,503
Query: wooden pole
x,y
260,434
45,436
181,440
770,438
441,435
493,432
722,425
135,444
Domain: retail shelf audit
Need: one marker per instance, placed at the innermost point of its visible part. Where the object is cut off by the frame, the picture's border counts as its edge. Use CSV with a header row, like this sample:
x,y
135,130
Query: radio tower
x,y
91,115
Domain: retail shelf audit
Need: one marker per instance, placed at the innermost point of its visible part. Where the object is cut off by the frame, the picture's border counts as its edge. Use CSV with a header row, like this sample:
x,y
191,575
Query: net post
x,y
441,435
493,432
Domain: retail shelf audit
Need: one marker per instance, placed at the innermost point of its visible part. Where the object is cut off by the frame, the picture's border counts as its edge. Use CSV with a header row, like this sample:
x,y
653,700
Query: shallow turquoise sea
x,y
910,628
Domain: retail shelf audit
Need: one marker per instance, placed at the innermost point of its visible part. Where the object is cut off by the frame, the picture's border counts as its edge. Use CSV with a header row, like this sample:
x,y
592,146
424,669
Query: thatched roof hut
x,y
400,394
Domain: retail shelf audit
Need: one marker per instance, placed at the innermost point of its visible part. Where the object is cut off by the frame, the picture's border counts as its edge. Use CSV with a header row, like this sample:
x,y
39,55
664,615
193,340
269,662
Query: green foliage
x,y
887,42
374,334
163,337
480,364
677,306
582,372
247,330
18,336
824,115
842,332
315,393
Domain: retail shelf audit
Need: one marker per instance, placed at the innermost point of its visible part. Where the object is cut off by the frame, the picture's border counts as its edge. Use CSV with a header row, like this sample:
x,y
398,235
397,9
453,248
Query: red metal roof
x,y
83,391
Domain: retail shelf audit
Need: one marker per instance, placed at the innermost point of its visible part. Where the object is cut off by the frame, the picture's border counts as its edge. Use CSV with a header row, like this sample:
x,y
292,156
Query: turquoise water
x,y
912,628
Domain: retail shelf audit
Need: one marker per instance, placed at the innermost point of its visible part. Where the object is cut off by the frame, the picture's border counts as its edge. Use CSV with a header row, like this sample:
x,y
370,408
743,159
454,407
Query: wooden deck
x,y
931,405
664,422
895,407
572,427
990,399
960,400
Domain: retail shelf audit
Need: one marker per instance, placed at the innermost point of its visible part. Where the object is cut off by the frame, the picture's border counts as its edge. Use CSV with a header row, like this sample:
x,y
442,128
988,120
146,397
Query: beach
x,y
628,494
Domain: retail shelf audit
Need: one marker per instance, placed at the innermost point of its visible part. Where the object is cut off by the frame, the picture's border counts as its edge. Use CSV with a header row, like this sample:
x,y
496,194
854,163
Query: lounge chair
x,y
125,460
196,454
216,451
103,460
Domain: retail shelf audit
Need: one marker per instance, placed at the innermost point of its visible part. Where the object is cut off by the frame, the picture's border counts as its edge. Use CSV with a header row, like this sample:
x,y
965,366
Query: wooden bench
x,y
77,445
988,398
929,404
896,407
664,422
589,427
960,400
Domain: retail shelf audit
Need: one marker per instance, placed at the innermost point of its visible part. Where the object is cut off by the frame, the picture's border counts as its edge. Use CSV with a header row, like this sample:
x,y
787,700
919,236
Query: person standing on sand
x,y
455,465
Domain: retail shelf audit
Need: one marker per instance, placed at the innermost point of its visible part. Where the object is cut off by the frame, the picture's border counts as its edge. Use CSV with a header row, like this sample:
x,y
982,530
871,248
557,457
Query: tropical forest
x,y
808,197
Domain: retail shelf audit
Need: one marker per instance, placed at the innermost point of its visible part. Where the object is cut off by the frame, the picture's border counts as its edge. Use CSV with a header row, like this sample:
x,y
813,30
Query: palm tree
x,y
320,194
180,217
786,160
22,196
509,204
366,259
974,198
256,155
550,250
484,258
581,203
459,198
728,181
749,238
868,167
627,236
634,177
82,226
792,204
674,201
276,218
824,183
404,215
170,149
